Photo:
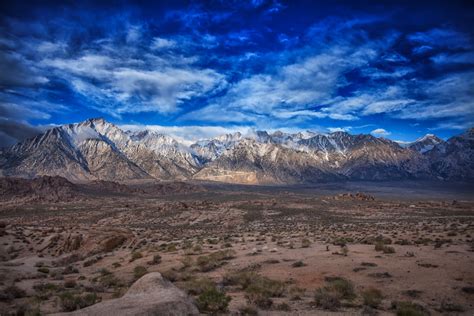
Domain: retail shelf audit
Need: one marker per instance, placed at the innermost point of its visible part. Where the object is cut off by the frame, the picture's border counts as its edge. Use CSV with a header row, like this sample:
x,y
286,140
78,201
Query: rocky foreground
x,y
240,251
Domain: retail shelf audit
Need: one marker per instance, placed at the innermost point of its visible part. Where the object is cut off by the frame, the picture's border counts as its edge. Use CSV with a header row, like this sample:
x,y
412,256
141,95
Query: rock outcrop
x,y
45,188
150,295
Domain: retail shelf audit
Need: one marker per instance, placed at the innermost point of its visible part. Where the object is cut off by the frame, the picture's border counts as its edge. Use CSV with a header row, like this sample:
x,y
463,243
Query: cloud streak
x,y
258,64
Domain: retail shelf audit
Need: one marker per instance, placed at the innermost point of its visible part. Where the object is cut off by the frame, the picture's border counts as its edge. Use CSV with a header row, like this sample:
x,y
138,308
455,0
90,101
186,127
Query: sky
x,y
396,69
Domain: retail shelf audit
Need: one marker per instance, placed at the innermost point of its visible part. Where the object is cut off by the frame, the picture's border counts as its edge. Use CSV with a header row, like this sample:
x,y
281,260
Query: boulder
x,y
150,295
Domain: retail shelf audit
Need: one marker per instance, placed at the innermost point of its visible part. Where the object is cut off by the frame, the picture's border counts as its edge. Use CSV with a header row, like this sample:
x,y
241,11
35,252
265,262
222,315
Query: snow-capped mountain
x,y
425,143
96,149
210,149
251,161
454,159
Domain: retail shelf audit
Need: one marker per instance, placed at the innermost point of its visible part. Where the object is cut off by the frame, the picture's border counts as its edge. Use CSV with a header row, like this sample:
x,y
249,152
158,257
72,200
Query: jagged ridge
x,y
98,150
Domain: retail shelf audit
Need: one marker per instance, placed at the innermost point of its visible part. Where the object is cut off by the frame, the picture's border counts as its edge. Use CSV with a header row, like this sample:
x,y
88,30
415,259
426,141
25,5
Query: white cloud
x,y
189,134
160,43
293,89
123,81
339,129
380,132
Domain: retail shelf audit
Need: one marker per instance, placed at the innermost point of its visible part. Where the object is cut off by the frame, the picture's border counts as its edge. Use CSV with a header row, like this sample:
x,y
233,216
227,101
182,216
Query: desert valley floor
x,y
401,248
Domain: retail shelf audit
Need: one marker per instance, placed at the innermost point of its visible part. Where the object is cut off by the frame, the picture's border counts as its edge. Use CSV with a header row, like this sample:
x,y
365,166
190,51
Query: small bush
x,y
69,284
298,264
329,297
139,271
258,289
372,297
171,248
70,270
212,301
171,275
71,302
296,293
214,260
248,311
109,281
156,260
341,241
283,307
344,251
198,286
43,270
136,255
388,249
380,246
187,262
305,243
116,265
409,309
13,291
45,290
258,296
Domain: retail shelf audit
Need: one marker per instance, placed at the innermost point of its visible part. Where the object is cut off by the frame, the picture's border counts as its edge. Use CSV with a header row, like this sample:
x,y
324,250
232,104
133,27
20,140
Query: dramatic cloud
x,y
254,64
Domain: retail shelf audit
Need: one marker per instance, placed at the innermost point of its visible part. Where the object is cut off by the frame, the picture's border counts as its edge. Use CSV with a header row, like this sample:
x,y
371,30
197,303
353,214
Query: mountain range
x,y
98,150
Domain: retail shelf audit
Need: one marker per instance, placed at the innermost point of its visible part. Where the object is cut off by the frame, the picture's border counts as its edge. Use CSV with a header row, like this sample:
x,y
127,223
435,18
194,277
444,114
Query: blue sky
x,y
401,69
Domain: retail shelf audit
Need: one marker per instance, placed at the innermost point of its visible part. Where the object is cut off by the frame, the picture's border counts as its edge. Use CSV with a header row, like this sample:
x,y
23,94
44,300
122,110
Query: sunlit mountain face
x,y
196,70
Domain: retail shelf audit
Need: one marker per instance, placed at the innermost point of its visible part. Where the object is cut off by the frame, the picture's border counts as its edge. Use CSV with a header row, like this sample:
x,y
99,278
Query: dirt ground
x,y
396,248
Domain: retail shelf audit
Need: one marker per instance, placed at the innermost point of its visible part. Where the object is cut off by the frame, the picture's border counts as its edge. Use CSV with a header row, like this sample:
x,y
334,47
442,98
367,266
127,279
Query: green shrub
x,y
344,251
71,302
136,255
298,264
139,271
43,270
258,289
171,248
198,285
248,311
187,261
380,246
258,296
329,297
109,281
372,297
156,260
409,309
45,290
246,279
305,243
214,260
296,293
212,301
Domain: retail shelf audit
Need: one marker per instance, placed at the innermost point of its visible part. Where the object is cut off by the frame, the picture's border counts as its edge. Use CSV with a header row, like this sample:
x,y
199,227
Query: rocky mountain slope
x,y
98,150
454,159
425,143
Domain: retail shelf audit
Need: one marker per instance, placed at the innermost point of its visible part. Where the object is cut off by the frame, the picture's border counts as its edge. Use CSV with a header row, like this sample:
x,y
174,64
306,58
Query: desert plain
x,y
353,248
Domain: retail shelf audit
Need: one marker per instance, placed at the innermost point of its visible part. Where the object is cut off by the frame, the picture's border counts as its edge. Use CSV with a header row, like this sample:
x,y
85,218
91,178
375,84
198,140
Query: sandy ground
x,y
265,231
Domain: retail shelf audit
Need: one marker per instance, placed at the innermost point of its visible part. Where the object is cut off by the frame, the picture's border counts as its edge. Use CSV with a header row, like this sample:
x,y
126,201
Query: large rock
x,y
150,295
